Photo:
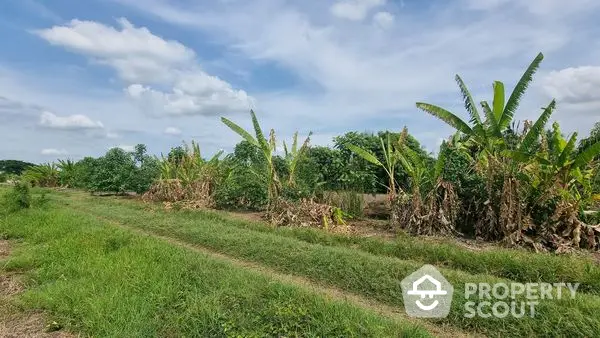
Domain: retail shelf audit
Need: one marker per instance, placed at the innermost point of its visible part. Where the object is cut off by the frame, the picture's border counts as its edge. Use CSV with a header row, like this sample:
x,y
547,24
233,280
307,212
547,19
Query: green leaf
x,y
542,160
517,155
538,127
491,119
446,116
240,131
587,155
295,143
408,167
515,97
567,151
260,137
298,154
441,161
365,154
498,100
215,157
558,142
469,103
285,150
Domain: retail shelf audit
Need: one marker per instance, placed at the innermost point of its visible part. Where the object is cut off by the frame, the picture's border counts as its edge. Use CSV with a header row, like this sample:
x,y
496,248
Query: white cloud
x,y
356,76
128,148
135,53
144,60
172,131
383,19
574,85
212,97
52,152
77,121
355,10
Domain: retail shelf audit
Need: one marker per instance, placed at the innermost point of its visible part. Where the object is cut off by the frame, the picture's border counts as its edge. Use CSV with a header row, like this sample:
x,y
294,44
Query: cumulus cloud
x,y
351,75
383,19
355,10
181,102
149,63
135,53
53,152
172,131
579,85
73,122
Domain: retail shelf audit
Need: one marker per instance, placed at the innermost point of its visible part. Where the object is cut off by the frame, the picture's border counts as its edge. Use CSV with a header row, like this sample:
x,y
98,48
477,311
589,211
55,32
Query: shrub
x,y
241,188
19,197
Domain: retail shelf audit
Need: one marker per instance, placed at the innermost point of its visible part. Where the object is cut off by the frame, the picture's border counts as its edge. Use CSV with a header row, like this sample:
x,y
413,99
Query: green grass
x,y
103,281
375,276
519,265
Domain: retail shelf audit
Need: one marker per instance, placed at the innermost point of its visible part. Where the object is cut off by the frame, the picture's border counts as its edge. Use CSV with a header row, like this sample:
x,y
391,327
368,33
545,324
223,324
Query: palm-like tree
x,y
67,173
488,133
388,164
490,139
267,148
293,156
44,175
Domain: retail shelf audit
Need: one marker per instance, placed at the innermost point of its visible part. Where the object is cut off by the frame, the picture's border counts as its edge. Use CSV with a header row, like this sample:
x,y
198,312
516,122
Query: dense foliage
x,y
14,166
495,178
117,171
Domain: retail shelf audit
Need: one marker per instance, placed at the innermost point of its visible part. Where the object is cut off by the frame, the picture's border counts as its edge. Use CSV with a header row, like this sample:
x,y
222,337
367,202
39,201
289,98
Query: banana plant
x,y
44,175
389,163
293,156
66,172
423,178
488,133
557,161
267,148
190,167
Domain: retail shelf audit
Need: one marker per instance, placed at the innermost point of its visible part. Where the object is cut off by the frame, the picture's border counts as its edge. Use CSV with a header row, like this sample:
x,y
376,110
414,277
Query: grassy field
x,y
109,266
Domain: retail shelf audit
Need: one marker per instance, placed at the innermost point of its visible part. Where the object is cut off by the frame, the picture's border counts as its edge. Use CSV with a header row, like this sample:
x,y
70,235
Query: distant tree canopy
x,y
14,166
341,169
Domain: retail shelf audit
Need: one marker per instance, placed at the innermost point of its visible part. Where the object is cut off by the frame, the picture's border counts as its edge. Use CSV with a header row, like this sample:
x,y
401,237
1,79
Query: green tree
x,y
14,167
113,171
147,170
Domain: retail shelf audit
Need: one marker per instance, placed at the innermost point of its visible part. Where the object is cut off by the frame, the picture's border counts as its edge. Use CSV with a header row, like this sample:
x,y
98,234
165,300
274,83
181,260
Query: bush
x,y
241,189
19,197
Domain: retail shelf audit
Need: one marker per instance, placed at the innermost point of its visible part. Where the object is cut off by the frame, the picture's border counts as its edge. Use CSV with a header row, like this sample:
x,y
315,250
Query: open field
x,y
107,266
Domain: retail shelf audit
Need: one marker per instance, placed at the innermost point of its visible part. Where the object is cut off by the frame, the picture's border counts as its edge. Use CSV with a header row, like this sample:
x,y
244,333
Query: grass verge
x,y
104,281
357,271
514,264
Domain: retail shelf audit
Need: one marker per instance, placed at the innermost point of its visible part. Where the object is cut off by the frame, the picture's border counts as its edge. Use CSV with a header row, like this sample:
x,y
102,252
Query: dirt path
x,y
394,313
14,323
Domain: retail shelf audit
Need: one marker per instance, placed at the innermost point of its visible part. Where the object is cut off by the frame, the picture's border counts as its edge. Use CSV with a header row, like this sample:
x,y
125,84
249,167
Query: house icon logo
x,y
427,293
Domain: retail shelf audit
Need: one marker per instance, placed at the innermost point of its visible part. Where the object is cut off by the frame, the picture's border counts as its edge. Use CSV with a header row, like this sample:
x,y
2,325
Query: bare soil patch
x,y
29,325
10,285
4,248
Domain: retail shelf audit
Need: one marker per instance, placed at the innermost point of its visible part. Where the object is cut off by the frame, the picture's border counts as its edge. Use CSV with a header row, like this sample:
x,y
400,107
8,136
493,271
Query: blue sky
x,y
79,77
